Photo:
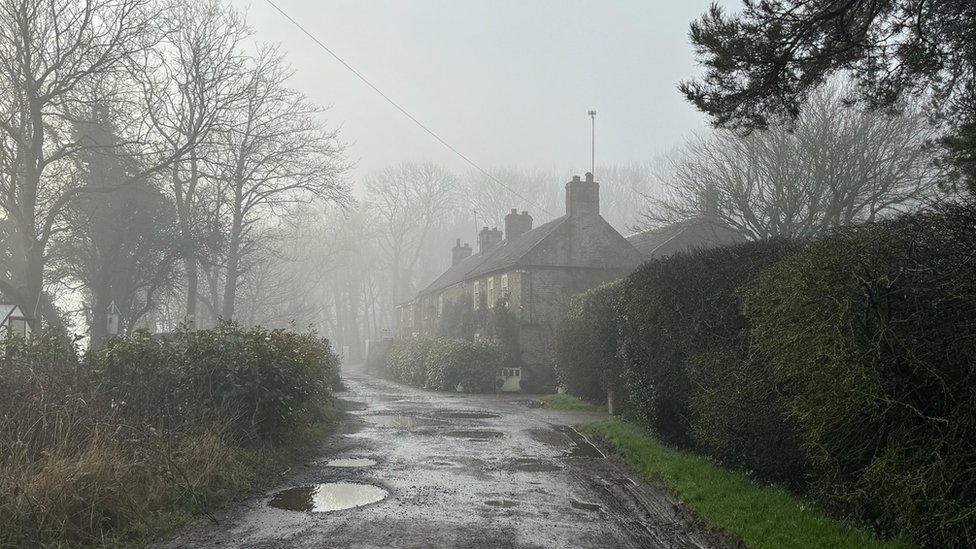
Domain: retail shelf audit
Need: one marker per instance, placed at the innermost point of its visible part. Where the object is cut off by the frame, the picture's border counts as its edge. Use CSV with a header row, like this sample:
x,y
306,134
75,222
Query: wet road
x,y
458,471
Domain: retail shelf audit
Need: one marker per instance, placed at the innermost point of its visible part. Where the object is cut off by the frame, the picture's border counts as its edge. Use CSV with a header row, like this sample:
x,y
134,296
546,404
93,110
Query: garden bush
x,y
446,364
873,330
587,361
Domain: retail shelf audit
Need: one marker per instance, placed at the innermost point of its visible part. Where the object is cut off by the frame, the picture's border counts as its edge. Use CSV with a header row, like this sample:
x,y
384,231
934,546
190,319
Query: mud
x,y
522,478
532,465
466,415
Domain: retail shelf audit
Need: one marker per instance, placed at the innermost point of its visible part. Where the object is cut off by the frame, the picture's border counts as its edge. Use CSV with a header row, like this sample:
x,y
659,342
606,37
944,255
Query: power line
x,y
402,110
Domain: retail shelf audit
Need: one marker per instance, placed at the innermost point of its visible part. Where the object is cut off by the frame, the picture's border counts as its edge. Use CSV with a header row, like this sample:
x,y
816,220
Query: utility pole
x,y
592,142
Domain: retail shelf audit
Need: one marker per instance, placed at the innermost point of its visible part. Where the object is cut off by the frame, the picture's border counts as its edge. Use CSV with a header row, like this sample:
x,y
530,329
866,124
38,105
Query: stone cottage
x,y
536,270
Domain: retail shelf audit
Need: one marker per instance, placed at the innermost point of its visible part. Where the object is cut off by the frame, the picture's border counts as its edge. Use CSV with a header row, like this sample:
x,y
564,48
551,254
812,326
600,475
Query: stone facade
x,y
536,270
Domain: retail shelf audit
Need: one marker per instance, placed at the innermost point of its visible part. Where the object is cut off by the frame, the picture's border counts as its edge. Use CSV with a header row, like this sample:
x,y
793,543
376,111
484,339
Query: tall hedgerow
x,y
873,331
692,375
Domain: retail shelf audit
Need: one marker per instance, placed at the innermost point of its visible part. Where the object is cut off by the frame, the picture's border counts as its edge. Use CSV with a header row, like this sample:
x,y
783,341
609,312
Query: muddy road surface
x,y
413,468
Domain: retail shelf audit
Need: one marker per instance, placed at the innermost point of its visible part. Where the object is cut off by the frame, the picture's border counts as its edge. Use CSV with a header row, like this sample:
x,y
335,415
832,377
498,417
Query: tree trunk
x,y
233,266
192,287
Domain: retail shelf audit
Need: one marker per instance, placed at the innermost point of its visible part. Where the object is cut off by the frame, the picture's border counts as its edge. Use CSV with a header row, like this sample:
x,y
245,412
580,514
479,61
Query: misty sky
x,y
507,82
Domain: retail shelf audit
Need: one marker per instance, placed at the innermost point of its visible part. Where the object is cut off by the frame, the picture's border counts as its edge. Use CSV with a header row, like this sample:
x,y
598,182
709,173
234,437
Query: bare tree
x,y
193,84
838,166
51,53
274,153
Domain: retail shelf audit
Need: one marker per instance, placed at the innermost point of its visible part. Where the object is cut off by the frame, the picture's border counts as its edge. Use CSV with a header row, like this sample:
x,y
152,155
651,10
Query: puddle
x,y
585,506
501,503
322,498
581,447
350,462
474,434
532,465
401,421
466,415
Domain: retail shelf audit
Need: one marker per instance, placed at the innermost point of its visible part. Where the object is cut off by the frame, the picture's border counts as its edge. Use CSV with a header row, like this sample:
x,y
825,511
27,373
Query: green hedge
x,y
843,368
446,364
587,362
689,369
874,331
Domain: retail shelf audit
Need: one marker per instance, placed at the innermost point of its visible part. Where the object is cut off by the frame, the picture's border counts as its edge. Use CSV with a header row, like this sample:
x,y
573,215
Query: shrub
x,y
445,364
873,329
269,381
587,357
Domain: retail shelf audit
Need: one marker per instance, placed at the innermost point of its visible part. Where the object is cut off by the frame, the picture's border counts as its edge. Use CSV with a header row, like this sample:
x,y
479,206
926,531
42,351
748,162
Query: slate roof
x,y
684,235
506,254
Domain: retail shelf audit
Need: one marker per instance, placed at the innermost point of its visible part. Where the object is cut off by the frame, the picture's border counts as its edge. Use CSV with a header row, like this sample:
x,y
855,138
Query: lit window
x,y
491,292
477,294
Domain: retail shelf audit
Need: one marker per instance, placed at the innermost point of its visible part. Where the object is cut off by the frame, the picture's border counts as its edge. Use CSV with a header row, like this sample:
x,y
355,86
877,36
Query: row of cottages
x,y
538,269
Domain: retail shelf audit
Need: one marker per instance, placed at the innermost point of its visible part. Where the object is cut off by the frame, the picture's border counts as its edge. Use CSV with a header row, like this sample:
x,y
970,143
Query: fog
x,y
506,82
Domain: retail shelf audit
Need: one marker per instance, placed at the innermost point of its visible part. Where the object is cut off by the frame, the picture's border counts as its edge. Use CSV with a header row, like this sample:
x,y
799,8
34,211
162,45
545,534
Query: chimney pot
x,y
583,197
459,253
488,239
517,224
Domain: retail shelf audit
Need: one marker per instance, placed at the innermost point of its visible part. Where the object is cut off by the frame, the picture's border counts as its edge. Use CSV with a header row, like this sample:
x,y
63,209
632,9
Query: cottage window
x,y
477,294
504,283
491,292
440,305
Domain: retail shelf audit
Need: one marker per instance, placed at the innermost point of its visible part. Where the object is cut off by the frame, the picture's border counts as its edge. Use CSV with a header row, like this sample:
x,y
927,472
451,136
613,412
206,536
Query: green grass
x,y
761,516
569,402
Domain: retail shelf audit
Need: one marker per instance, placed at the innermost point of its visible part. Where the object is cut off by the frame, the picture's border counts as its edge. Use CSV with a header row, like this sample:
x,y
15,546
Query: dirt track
x,y
463,471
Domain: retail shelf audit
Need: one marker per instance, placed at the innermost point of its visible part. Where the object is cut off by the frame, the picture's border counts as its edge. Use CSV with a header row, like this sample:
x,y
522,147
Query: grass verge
x,y
569,402
761,516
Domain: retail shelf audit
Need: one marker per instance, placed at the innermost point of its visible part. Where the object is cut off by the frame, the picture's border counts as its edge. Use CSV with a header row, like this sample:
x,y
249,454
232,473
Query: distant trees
x,y
763,62
833,167
409,203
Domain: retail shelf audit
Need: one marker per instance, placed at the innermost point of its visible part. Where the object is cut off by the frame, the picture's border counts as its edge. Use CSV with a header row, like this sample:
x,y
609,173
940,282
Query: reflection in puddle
x,y
332,496
533,465
585,506
400,421
467,415
581,447
501,503
474,434
350,462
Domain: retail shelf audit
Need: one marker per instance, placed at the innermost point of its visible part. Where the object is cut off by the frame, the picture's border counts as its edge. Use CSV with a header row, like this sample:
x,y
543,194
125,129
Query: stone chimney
x,y
583,197
517,224
459,253
488,239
